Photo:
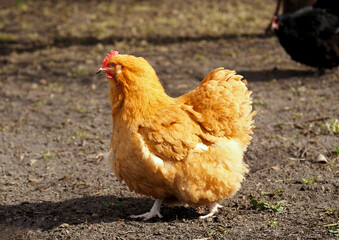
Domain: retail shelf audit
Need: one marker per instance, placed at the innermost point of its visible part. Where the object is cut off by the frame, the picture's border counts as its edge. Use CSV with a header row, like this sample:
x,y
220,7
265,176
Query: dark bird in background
x,y
311,34
288,6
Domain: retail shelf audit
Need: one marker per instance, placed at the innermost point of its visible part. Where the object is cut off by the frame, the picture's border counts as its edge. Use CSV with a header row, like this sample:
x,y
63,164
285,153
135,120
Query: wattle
x,y
109,75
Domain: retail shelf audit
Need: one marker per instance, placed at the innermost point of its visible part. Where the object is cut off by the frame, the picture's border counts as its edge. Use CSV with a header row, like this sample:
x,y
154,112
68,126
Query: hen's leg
x,y
155,211
213,209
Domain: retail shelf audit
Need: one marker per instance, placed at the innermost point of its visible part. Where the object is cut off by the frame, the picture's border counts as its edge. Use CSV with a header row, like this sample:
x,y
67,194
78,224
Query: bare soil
x,y
55,122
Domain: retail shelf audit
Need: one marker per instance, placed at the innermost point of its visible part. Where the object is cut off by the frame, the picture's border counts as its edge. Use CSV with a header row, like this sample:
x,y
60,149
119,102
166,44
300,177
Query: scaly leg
x,y
155,211
213,209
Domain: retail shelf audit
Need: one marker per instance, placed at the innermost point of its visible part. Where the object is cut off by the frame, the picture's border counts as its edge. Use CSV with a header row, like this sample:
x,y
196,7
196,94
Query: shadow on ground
x,y
49,215
7,47
267,75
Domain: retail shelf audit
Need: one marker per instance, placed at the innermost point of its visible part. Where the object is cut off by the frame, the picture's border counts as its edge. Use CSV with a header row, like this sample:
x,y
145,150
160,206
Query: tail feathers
x,y
222,74
224,105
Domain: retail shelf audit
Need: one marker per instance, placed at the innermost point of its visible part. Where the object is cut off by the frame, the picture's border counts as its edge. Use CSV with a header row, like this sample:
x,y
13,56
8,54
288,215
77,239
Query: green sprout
x,y
82,109
277,207
272,223
333,228
257,103
333,126
306,180
46,154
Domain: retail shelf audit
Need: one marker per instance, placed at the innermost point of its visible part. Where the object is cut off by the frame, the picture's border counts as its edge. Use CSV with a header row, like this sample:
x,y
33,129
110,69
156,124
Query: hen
x,y
288,6
185,150
311,35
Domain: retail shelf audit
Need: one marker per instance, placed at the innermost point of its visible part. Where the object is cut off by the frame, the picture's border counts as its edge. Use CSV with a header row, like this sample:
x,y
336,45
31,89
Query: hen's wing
x,y
171,134
221,104
219,107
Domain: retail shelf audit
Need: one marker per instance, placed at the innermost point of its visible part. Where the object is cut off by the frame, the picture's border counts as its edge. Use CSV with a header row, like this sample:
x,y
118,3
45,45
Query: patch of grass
x,y
33,36
323,127
82,134
278,192
307,180
317,99
8,37
154,19
333,126
337,149
54,86
47,154
333,228
82,109
298,90
20,3
297,115
40,103
272,223
218,233
277,207
228,52
331,210
279,124
200,57
257,103
77,73
318,178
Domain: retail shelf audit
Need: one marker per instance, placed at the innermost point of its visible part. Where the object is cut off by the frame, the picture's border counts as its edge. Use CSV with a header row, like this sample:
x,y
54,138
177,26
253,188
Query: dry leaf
x,y
276,168
32,162
321,159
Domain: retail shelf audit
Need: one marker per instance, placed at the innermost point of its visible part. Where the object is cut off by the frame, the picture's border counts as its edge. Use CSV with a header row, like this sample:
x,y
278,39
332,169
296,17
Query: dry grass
x,y
117,19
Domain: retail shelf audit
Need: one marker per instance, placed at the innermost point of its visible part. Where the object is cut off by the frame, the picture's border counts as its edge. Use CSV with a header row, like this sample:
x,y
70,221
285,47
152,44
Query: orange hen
x,y
185,150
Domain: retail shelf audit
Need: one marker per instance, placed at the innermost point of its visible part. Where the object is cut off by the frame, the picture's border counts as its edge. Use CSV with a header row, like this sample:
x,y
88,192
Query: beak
x,y
101,69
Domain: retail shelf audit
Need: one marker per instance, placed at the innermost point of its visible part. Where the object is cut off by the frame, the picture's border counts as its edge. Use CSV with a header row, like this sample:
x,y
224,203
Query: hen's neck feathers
x,y
137,93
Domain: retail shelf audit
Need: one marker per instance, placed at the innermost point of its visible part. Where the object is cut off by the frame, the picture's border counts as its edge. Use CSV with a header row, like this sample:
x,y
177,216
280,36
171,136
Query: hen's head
x,y
107,64
132,81
276,23
115,64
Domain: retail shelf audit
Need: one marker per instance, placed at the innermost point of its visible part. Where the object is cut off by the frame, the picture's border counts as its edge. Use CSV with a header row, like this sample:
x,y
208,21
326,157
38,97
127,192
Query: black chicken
x,y
311,34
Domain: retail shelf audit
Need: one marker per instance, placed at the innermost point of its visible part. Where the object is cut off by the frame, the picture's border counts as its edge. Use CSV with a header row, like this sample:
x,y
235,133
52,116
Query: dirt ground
x,y
55,121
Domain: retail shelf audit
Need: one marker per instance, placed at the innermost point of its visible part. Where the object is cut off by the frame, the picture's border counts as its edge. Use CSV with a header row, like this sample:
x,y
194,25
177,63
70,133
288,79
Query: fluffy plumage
x,y
185,150
311,35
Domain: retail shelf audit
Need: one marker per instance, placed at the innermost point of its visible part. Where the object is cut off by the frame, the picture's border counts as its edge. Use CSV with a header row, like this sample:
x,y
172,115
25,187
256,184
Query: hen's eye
x,y
112,65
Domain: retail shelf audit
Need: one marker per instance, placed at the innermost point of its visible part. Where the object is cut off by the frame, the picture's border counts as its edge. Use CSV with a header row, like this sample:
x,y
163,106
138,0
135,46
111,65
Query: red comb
x,y
275,25
112,54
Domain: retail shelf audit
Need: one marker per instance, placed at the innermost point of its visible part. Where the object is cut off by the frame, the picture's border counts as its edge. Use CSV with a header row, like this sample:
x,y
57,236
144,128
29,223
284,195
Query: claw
x,y
213,209
148,215
155,211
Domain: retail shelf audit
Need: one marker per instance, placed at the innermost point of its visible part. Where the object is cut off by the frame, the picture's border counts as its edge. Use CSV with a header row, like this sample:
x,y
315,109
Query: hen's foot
x,y
213,209
155,211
